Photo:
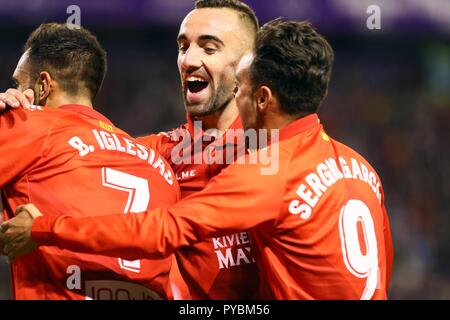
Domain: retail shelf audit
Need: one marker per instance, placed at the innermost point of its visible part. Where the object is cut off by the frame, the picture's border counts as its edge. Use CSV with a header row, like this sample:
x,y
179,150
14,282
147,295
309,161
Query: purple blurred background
x,y
389,99
340,16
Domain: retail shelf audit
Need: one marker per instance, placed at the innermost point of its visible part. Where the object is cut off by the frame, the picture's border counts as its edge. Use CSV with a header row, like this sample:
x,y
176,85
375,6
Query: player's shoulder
x,y
35,112
35,118
293,155
262,167
164,140
349,154
175,135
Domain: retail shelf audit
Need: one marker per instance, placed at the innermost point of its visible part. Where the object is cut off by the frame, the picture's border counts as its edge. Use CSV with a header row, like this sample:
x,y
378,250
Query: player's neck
x,y
277,120
221,119
60,100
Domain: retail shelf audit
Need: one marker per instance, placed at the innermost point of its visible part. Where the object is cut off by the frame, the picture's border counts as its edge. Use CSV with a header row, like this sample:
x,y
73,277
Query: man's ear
x,y
263,98
45,85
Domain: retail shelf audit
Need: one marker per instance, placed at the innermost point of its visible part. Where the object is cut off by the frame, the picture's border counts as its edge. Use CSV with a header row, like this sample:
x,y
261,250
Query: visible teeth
x,y
193,78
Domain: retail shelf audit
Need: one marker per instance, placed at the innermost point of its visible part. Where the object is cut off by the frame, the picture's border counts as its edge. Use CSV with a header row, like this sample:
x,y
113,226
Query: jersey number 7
x,y
138,200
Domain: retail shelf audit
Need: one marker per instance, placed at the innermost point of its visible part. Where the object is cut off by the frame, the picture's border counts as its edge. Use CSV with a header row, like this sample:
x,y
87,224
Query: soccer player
x,y
212,39
319,226
66,156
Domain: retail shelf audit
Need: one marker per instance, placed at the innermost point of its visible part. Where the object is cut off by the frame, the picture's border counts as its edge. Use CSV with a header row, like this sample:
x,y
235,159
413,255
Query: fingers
x,y
9,100
14,98
29,94
2,239
21,97
29,209
12,244
15,234
19,247
7,240
4,227
9,251
20,209
8,248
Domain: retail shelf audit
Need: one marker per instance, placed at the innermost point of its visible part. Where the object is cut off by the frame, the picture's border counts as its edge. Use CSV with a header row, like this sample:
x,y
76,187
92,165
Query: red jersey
x,y
220,267
73,159
319,227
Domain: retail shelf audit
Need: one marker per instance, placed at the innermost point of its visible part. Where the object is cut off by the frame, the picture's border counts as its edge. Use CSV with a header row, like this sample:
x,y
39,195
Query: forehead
x,y
211,21
22,64
23,58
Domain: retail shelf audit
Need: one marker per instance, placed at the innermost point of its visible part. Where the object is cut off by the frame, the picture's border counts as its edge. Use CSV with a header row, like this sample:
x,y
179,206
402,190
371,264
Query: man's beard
x,y
217,101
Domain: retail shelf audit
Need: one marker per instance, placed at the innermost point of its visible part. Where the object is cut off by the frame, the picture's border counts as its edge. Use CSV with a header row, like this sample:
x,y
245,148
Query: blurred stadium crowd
x,y
389,99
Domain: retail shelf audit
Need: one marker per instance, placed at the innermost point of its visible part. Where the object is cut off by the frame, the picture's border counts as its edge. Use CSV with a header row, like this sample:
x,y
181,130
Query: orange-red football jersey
x,y
318,226
215,268
74,160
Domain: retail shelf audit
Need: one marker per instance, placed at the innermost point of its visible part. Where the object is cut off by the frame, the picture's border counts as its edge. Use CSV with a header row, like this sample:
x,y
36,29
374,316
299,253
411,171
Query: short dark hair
x,y
245,12
295,62
73,56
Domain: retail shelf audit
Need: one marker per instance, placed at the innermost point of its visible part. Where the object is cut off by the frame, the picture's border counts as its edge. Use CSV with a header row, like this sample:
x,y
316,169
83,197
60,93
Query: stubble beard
x,y
219,99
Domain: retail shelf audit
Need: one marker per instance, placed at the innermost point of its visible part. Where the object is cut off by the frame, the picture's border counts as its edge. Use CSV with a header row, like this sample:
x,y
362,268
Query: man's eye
x,y
182,48
210,50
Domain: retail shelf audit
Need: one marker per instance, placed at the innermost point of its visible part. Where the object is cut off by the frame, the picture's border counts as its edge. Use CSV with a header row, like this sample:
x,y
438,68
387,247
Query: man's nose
x,y
191,59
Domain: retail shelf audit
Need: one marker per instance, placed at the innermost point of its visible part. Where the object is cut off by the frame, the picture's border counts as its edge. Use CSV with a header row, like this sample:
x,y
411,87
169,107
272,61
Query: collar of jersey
x,y
300,125
86,111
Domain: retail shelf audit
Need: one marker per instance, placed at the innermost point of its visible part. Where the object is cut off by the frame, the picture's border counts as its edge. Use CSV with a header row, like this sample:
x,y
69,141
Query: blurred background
x,y
389,99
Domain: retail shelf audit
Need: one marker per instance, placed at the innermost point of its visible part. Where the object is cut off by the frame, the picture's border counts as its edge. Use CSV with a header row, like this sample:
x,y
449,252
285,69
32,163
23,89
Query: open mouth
x,y
196,89
196,86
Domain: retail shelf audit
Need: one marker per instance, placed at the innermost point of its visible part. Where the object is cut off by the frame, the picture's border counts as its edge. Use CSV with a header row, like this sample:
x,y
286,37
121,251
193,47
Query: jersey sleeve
x,y
156,142
238,199
22,140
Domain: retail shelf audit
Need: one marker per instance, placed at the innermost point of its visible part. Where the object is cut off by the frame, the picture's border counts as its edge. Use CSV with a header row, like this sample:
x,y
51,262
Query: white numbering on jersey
x,y
359,264
82,148
138,199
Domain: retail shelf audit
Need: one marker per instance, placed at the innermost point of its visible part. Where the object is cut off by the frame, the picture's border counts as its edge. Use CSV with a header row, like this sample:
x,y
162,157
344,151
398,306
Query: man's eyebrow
x,y
205,37
208,37
181,37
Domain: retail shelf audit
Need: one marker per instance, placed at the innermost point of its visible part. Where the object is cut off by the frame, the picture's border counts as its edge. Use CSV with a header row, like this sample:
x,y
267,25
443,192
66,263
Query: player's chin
x,y
197,109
